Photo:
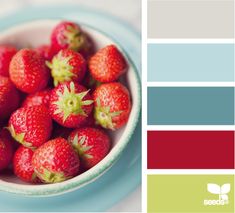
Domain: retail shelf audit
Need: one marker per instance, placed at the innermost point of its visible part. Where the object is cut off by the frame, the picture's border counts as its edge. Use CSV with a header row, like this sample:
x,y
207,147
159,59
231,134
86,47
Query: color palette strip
x,y
190,19
191,80
191,62
190,106
190,193
191,150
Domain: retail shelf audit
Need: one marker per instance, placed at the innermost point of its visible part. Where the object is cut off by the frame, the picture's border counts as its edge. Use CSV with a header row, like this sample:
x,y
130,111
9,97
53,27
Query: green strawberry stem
x,y
104,117
70,102
80,146
51,177
19,137
61,70
74,38
34,177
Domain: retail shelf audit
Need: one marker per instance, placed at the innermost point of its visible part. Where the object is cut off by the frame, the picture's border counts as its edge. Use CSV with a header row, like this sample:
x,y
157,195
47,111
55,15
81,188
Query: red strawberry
x,y
9,98
55,161
67,65
22,164
6,54
107,65
28,71
91,144
68,35
37,99
112,105
6,149
31,126
70,104
45,51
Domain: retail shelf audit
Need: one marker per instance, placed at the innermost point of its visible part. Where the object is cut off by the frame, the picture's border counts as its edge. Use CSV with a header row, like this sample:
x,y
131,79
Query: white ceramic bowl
x,y
35,33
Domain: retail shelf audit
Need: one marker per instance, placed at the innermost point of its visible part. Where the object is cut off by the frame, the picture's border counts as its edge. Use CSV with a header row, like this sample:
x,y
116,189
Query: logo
x,y
220,191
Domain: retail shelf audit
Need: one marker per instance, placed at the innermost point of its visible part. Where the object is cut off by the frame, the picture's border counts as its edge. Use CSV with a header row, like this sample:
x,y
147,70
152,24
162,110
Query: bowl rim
x,y
95,172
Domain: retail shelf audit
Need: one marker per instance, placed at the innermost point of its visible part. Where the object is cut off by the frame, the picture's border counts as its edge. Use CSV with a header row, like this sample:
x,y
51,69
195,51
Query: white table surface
x,y
128,10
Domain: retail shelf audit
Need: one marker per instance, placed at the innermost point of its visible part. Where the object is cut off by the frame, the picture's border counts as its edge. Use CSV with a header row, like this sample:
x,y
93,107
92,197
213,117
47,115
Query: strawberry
x,y
9,98
6,54
91,144
45,51
112,105
68,35
67,65
55,161
37,99
107,65
22,165
31,126
6,149
70,104
28,71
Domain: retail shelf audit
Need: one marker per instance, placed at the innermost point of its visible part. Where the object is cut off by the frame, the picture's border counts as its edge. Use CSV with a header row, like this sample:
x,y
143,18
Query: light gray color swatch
x,y
190,19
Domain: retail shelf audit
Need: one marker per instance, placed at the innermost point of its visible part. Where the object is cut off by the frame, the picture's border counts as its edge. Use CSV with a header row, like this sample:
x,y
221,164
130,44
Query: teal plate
x,y
125,175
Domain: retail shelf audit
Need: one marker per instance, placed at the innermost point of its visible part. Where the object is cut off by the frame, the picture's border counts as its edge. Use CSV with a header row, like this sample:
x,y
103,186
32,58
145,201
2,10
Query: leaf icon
x,y
213,188
225,189
224,197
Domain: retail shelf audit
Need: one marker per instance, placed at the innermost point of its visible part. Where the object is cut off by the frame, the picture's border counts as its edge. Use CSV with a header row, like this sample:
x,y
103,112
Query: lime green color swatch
x,y
190,193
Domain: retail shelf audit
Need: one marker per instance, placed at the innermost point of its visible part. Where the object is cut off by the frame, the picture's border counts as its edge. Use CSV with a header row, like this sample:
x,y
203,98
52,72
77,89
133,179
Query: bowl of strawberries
x,y
70,101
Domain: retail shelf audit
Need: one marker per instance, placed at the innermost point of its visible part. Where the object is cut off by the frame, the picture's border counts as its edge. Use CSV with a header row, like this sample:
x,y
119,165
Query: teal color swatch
x,y
190,106
190,62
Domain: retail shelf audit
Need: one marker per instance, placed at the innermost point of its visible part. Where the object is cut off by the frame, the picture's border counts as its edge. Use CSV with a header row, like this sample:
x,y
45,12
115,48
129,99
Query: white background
x,y
128,10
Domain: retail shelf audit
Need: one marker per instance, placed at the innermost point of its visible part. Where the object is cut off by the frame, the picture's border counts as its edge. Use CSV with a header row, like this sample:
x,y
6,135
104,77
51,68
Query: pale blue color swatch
x,y
191,62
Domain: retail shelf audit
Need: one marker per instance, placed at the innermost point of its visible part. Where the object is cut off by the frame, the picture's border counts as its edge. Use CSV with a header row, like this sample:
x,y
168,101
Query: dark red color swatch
x,y
191,150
